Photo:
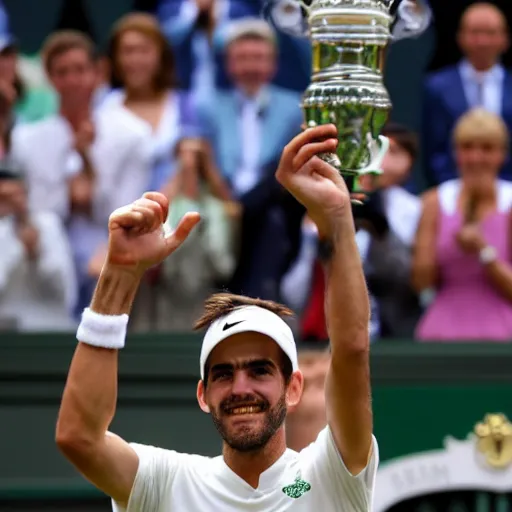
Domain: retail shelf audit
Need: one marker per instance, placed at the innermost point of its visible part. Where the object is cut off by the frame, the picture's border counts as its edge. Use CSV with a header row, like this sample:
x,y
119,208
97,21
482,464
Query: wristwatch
x,y
325,250
487,255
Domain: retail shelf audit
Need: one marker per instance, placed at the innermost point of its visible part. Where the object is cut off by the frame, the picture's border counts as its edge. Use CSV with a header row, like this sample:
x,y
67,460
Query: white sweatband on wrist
x,y
102,331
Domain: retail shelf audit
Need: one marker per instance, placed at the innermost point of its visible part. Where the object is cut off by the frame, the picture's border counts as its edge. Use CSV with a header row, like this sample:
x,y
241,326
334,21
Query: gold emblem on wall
x,y
494,435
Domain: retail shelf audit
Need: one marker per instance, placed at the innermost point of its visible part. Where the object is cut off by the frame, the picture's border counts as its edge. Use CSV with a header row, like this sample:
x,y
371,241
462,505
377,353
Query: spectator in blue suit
x,y
478,80
197,31
249,126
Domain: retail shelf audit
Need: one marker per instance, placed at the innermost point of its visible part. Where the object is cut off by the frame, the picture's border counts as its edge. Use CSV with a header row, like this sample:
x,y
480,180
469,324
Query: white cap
x,y
250,319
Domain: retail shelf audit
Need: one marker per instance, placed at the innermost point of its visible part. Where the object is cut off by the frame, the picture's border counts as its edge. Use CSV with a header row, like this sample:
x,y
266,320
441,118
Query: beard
x,y
255,437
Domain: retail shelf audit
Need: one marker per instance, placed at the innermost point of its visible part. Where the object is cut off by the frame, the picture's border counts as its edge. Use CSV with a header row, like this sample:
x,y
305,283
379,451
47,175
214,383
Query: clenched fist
x,y
137,239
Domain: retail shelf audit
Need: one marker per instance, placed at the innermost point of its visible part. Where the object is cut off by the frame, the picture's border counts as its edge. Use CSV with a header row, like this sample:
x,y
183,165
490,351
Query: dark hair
x,y
19,87
63,41
11,50
221,304
147,25
404,137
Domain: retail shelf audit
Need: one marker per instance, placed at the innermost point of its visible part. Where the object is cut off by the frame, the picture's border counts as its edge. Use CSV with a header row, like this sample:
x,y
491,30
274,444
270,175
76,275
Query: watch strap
x,y
487,255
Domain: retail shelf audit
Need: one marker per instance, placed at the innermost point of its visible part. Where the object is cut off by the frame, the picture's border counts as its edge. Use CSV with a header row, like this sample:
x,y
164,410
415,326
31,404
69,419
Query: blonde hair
x,y
480,125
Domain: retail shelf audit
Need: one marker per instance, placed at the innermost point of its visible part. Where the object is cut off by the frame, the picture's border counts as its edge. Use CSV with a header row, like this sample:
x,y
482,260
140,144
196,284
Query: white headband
x,y
249,319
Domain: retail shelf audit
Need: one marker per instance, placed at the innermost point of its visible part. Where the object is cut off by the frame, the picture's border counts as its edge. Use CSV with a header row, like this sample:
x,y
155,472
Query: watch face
x,y
9,170
488,255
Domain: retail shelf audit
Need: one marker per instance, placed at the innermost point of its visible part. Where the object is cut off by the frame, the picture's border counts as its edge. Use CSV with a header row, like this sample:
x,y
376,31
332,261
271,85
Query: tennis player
x,y
249,373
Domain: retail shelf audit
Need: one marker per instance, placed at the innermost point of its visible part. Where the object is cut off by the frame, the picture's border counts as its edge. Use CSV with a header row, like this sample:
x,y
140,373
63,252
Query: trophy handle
x,y
378,148
389,3
306,7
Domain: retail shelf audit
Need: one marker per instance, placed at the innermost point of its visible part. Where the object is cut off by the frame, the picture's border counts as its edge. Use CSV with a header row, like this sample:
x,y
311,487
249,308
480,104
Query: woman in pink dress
x,y
462,255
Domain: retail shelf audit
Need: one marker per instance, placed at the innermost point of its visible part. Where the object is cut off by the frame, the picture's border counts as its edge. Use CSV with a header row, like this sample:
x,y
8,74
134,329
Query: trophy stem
x,y
350,178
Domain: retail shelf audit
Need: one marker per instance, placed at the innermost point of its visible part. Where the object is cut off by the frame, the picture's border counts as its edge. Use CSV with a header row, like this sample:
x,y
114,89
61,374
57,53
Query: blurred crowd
x,y
197,101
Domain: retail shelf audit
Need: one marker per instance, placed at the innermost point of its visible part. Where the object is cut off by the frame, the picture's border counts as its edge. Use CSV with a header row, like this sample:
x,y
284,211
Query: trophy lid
x,y
330,17
361,4
365,21
329,8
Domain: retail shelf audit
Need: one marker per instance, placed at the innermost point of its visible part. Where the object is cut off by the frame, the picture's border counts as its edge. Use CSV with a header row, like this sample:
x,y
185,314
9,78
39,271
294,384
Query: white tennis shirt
x,y
313,480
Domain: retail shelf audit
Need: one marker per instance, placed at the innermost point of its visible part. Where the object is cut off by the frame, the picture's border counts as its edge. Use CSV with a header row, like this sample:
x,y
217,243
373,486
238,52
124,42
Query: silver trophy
x,y
349,39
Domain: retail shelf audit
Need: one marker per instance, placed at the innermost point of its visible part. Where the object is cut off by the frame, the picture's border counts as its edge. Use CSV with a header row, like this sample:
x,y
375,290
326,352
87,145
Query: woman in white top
x,y
143,78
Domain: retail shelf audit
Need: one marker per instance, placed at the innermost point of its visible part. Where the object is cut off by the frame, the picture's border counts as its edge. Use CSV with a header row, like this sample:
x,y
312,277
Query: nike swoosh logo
x,y
228,326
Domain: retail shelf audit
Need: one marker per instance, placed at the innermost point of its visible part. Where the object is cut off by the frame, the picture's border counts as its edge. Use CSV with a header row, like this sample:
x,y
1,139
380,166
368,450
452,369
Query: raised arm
x,y
178,20
348,380
136,242
320,188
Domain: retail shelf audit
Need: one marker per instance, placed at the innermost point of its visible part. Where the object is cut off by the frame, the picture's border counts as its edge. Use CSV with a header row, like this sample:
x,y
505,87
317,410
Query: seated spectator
x,y
249,127
462,252
478,80
143,73
37,276
81,164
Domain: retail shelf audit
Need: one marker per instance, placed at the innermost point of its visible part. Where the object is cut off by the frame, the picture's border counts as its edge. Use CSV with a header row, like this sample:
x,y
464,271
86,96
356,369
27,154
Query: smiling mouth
x,y
251,409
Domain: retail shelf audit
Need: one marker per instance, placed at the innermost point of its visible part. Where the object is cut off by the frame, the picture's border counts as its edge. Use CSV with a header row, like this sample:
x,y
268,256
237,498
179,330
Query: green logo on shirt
x,y
297,489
